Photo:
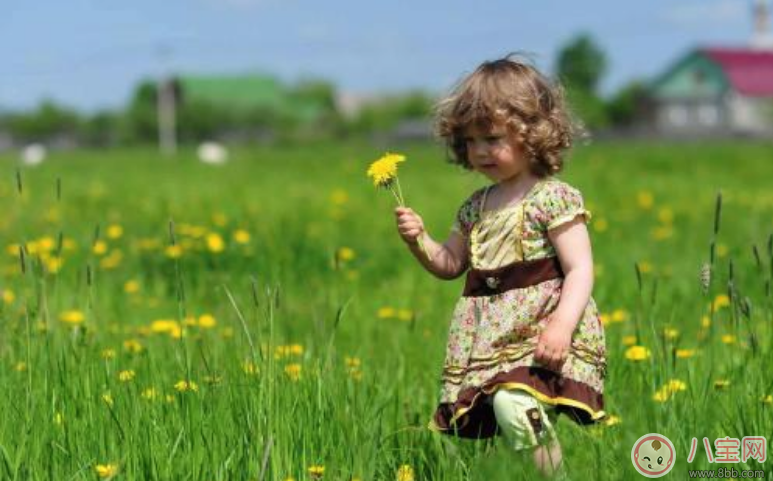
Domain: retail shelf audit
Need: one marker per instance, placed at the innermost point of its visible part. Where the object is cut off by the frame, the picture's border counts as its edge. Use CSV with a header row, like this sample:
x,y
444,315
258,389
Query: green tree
x,y
581,64
624,106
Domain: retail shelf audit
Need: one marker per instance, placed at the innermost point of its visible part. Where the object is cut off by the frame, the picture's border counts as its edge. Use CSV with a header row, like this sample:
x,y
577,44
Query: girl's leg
x,y
526,425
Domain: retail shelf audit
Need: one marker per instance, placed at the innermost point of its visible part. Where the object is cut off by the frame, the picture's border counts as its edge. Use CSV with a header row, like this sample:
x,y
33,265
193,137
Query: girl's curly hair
x,y
516,94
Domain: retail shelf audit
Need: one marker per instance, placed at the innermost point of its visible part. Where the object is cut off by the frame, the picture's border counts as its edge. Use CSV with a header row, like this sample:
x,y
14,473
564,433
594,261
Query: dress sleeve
x,y
468,214
562,203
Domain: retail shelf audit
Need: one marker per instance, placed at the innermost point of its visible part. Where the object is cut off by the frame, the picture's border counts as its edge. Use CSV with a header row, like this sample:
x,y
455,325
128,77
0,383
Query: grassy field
x,y
262,319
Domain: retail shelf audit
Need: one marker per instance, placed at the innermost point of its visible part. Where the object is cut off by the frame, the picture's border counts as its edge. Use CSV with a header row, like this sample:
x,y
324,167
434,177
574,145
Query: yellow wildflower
x,y
645,200
241,236
384,170
293,371
107,398
174,251
728,339
106,471
605,318
768,399
73,317
637,353
612,420
645,267
721,384
619,315
316,472
99,247
386,312
133,346
405,473
705,321
207,321
685,353
58,419
629,340
405,314
108,354
131,286
183,386
721,301
215,243
722,250
250,368
114,231
126,376
670,333
8,296
345,254
20,367
149,394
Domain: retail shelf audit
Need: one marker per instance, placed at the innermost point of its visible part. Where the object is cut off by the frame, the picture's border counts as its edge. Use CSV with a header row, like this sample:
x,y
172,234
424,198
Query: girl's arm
x,y
572,244
449,260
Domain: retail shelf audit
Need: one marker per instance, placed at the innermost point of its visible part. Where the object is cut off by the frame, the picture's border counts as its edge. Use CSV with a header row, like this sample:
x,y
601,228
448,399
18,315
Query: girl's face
x,y
495,152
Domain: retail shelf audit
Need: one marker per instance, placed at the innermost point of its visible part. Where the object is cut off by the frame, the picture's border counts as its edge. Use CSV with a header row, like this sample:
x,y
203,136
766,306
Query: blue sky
x,y
90,53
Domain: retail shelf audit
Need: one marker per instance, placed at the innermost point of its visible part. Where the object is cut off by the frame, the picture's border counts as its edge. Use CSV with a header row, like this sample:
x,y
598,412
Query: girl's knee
x,y
521,418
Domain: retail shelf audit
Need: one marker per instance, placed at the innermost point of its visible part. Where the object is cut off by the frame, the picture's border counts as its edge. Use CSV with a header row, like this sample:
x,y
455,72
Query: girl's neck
x,y
517,187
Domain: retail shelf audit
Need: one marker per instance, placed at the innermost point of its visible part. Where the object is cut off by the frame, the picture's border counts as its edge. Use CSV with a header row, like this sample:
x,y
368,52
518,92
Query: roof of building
x,y
748,71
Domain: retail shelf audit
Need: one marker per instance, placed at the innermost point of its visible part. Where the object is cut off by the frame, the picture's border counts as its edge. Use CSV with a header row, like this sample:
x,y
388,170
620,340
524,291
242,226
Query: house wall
x,y
749,115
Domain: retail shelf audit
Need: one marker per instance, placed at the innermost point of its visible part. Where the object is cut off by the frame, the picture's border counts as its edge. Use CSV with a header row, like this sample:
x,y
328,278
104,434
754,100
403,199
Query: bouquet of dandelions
x,y
383,172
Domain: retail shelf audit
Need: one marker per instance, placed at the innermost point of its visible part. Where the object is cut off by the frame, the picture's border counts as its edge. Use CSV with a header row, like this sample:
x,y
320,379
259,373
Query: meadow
x,y
262,320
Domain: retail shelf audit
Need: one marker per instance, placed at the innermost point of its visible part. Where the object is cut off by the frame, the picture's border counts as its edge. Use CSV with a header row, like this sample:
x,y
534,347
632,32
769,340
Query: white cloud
x,y
716,12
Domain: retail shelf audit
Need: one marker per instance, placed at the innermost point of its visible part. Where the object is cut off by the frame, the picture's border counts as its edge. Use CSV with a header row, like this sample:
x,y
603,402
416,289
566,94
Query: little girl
x,y
525,342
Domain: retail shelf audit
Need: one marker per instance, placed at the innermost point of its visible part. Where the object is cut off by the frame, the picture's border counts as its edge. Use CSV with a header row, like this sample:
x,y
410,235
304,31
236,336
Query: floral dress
x,y
514,283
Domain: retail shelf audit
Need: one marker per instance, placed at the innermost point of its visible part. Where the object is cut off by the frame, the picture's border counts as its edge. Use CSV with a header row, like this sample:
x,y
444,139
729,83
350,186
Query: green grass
x,y
360,388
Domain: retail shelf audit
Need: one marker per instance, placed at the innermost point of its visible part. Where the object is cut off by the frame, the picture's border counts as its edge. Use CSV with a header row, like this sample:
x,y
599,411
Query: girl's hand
x,y
553,345
409,225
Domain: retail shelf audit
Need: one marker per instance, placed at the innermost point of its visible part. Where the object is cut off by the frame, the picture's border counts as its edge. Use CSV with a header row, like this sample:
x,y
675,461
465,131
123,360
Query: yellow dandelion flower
x,y
114,231
215,243
345,254
767,399
241,236
108,354
126,376
721,384
133,346
705,321
250,368
293,371
164,326
131,286
384,170
99,248
174,251
73,317
149,394
645,200
670,333
296,349
637,353
106,471
619,315
405,314
352,361
386,312
207,321
666,215
605,319
184,386
629,340
316,471
612,420
721,301
8,296
405,473
107,398
728,339
645,267
685,353
58,419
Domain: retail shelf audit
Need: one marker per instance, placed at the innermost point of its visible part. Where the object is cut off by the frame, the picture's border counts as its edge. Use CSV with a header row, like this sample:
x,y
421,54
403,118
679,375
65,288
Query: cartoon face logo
x,y
653,455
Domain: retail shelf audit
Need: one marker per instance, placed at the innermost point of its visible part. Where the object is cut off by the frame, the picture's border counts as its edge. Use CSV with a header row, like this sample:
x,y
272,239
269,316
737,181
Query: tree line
x,y
580,66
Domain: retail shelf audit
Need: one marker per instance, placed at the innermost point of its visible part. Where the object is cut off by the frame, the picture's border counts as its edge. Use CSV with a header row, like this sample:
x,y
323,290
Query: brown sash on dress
x,y
512,276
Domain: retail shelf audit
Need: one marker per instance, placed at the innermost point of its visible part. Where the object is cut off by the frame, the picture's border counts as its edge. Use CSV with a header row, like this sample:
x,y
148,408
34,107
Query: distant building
x,y
718,90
